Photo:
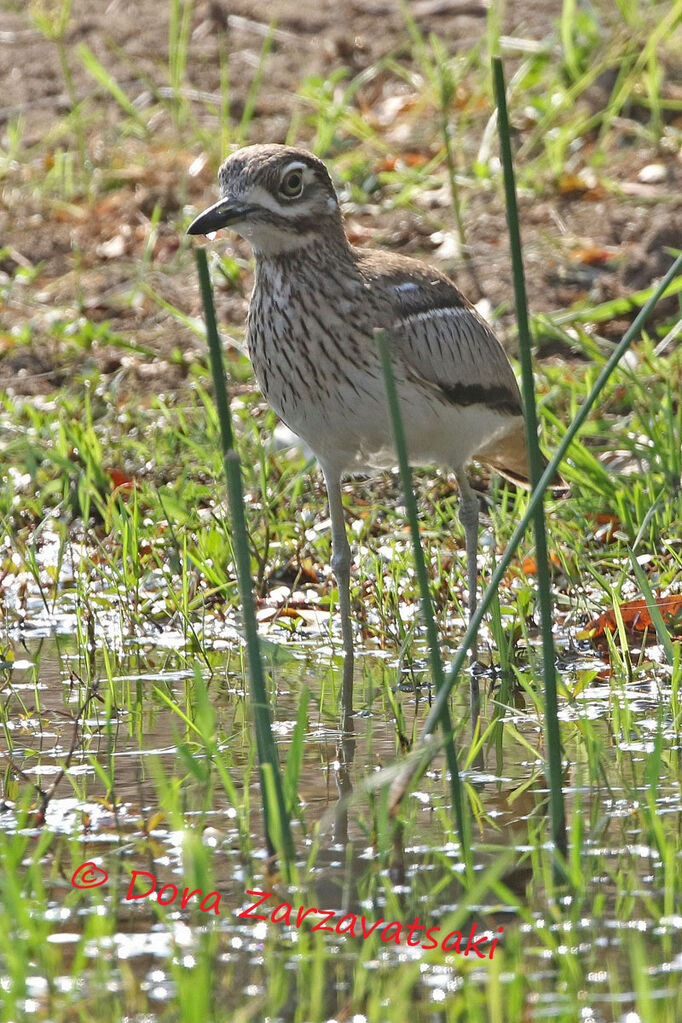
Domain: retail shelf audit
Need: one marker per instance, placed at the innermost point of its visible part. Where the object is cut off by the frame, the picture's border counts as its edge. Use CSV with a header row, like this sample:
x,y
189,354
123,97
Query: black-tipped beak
x,y
220,214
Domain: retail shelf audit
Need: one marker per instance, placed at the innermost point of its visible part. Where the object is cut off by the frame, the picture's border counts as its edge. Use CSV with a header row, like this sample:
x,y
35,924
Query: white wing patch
x,y
433,314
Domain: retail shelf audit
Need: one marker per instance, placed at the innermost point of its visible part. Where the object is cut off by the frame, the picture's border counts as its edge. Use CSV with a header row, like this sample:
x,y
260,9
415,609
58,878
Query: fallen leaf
x,y
584,186
393,161
591,255
529,564
120,480
606,525
636,617
308,571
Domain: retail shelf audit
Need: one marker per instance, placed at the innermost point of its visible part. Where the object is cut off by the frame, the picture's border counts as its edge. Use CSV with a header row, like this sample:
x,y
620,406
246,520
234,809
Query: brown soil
x,y
579,240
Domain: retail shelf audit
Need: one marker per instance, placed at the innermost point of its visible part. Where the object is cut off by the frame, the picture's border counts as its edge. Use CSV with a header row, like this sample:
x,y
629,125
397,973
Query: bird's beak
x,y
220,214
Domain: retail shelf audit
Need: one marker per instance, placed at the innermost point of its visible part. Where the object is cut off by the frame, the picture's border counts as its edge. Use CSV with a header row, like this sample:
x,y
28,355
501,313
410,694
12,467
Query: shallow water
x,y
157,806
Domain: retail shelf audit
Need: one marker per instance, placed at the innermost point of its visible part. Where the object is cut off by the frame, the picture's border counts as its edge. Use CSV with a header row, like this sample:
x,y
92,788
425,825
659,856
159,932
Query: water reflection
x,y
140,779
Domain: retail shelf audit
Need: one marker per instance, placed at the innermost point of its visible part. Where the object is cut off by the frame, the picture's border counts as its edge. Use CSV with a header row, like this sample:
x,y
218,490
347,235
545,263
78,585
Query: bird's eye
x,y
292,184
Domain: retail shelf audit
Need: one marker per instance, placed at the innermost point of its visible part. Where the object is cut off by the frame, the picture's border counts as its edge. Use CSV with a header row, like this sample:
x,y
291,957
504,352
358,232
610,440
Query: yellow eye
x,y
292,184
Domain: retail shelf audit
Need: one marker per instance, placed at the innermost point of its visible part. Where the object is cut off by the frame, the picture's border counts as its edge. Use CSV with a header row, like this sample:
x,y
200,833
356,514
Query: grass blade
x,y
422,578
93,66
277,827
552,734
605,311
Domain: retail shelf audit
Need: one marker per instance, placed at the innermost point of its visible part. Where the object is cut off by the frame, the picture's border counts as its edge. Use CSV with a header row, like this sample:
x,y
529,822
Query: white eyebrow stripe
x,y
294,165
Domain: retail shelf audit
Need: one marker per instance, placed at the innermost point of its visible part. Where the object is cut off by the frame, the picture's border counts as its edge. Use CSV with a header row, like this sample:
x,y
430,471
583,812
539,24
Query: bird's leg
x,y
341,569
468,516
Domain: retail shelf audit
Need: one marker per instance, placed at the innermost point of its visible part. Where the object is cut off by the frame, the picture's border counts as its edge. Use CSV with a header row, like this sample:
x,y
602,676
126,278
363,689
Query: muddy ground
x,y
81,252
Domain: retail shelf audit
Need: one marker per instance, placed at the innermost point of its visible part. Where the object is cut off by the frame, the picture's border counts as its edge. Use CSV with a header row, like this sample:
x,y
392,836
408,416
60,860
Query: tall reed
x,y
552,734
277,824
461,815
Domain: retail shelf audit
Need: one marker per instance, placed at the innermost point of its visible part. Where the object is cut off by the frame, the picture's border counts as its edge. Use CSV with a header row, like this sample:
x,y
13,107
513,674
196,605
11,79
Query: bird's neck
x,y
312,250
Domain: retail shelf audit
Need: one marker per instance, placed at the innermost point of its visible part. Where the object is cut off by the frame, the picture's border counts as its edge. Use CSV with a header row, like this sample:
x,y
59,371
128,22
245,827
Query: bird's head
x,y
277,197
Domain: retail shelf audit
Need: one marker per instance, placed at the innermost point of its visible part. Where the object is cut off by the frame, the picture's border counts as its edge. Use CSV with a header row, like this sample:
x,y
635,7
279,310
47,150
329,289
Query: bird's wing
x,y
439,337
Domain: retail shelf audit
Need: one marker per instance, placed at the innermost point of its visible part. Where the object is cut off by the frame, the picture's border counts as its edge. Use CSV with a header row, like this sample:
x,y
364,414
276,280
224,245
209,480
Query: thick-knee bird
x,y
316,303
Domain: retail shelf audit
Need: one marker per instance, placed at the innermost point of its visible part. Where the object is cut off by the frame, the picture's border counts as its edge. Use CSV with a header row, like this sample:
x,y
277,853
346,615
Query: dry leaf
x,y
529,564
636,617
591,255
391,162
584,186
606,525
120,479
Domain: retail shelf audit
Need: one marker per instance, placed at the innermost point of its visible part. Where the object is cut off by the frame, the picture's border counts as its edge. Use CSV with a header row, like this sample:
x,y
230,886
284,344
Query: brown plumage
x,y
316,303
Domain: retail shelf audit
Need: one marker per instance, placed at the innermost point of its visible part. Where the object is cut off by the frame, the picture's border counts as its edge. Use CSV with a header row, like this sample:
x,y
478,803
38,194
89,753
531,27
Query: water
x,y
112,748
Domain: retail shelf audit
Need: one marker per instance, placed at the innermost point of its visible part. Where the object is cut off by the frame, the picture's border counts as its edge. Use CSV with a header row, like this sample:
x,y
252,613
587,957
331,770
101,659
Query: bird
x,y
316,304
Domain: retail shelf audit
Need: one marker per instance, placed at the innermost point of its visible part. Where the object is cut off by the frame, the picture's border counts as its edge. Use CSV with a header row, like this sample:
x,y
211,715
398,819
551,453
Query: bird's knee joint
x,y
341,563
468,512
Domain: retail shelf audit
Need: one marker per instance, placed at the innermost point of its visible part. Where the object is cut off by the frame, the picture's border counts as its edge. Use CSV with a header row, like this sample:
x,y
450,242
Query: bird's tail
x,y
509,456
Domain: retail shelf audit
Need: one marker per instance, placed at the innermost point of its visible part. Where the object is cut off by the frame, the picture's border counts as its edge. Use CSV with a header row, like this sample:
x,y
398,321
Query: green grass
x,y
124,697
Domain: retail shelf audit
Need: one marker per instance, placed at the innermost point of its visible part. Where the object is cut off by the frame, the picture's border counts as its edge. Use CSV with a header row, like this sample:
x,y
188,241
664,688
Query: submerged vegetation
x,y
129,756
